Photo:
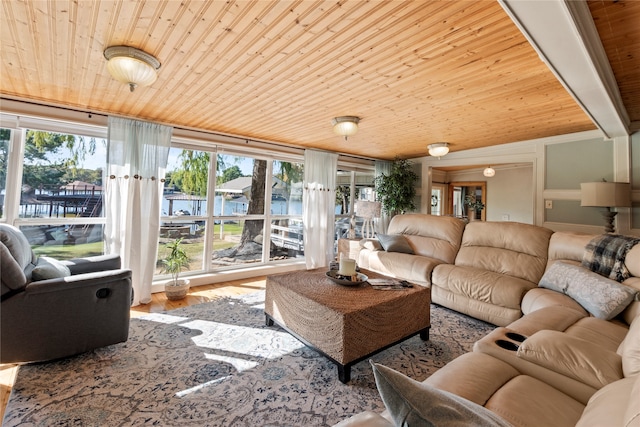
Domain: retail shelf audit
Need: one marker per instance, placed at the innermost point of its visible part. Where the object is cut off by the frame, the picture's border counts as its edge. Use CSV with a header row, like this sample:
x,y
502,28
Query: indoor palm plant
x,y
397,190
176,261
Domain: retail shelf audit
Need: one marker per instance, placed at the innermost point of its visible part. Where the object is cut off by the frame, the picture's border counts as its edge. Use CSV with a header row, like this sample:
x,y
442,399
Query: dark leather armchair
x,y
52,309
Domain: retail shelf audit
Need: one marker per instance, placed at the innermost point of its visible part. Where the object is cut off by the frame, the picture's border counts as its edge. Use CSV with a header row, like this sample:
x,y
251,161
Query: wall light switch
x,y
548,204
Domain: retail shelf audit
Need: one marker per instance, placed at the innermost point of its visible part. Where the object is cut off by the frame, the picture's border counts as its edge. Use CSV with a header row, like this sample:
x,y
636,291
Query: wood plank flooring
x,y
158,303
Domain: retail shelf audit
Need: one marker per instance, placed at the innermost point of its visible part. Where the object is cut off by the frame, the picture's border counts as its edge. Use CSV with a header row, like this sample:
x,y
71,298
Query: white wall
x,y
509,192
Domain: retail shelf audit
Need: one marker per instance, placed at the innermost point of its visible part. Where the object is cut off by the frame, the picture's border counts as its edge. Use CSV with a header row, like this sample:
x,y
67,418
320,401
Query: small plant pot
x,y
176,291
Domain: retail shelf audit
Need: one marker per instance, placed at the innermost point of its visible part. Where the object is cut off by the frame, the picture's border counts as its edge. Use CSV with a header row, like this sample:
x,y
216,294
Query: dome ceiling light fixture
x,y
489,172
345,125
439,149
131,66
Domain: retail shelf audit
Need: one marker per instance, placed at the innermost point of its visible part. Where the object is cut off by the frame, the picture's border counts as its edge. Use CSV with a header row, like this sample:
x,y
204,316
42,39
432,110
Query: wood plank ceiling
x,y
416,72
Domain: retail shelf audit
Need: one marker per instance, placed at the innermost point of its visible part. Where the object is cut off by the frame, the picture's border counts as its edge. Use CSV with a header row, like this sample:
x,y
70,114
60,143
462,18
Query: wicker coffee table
x,y
347,324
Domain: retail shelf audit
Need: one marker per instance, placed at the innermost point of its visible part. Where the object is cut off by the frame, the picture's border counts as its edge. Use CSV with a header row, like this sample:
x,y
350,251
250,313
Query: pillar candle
x,y
347,267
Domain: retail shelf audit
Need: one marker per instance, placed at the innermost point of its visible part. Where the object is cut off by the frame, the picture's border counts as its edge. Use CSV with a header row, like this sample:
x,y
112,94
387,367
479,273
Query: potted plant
x,y
475,206
174,263
397,190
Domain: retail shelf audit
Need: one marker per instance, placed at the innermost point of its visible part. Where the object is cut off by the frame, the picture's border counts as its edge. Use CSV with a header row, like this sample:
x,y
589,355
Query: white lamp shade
x,y
439,149
367,209
605,194
489,172
345,125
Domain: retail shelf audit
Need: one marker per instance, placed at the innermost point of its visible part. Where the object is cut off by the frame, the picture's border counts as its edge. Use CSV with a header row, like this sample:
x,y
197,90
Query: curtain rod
x,y
90,114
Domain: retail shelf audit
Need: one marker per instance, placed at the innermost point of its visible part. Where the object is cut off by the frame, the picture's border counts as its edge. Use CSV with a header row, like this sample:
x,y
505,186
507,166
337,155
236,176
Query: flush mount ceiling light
x,y
345,125
131,66
489,172
439,149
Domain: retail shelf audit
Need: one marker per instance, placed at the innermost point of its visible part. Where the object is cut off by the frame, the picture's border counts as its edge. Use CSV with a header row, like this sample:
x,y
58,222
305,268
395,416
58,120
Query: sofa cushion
x,y
395,243
482,285
542,405
18,245
49,268
414,403
572,357
12,275
430,236
539,298
602,297
509,248
630,350
615,404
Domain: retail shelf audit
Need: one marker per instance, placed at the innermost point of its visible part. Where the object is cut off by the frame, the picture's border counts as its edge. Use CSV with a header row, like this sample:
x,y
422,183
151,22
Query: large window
x,y
184,205
61,196
252,197
233,206
257,198
351,187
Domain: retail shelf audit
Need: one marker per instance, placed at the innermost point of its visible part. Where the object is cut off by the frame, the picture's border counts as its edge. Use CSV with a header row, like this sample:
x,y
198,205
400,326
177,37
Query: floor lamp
x,y
368,210
606,195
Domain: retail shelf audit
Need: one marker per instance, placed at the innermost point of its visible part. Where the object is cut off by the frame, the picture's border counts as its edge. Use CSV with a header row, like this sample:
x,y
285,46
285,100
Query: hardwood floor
x,y
158,303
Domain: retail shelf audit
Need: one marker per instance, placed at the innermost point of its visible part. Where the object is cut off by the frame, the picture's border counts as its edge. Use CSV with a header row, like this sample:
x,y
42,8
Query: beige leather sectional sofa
x,y
554,364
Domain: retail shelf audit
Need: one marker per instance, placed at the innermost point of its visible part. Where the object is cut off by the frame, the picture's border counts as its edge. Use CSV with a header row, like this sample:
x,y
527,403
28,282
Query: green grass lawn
x,y
70,251
193,248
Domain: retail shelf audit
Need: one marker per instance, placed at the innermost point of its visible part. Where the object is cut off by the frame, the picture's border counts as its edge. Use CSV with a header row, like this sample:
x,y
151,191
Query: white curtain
x,y
382,223
136,162
319,204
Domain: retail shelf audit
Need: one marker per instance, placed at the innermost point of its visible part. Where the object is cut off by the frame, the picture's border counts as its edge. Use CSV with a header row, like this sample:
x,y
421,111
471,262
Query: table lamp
x,y
367,210
606,195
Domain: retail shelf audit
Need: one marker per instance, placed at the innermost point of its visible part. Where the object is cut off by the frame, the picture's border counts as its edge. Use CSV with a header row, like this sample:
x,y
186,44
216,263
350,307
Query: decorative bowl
x,y
346,280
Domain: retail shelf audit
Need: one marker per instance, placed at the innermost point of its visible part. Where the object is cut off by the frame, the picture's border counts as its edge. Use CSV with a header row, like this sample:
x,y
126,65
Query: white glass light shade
x,y
439,149
489,172
131,66
605,194
345,125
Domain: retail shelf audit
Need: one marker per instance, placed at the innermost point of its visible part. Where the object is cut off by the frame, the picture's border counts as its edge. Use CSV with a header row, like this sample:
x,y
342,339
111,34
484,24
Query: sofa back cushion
x,y
568,246
16,259
430,235
11,274
511,248
17,244
630,350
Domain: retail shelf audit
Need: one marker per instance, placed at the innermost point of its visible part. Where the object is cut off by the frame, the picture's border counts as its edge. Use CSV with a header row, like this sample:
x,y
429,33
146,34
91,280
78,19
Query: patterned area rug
x,y
218,364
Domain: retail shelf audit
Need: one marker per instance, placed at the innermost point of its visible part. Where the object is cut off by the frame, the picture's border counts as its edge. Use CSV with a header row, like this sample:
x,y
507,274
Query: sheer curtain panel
x,y
136,161
319,204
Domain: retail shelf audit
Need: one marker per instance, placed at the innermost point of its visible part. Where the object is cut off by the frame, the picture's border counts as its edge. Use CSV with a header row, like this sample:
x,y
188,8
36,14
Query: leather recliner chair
x,y
75,306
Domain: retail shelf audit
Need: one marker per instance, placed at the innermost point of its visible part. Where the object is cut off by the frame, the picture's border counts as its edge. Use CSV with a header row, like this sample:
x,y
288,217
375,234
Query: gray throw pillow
x,y
602,297
412,403
395,243
49,268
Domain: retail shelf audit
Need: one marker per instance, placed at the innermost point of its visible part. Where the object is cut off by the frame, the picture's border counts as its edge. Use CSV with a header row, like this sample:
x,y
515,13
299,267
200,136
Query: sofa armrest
x,y
572,357
371,244
94,263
